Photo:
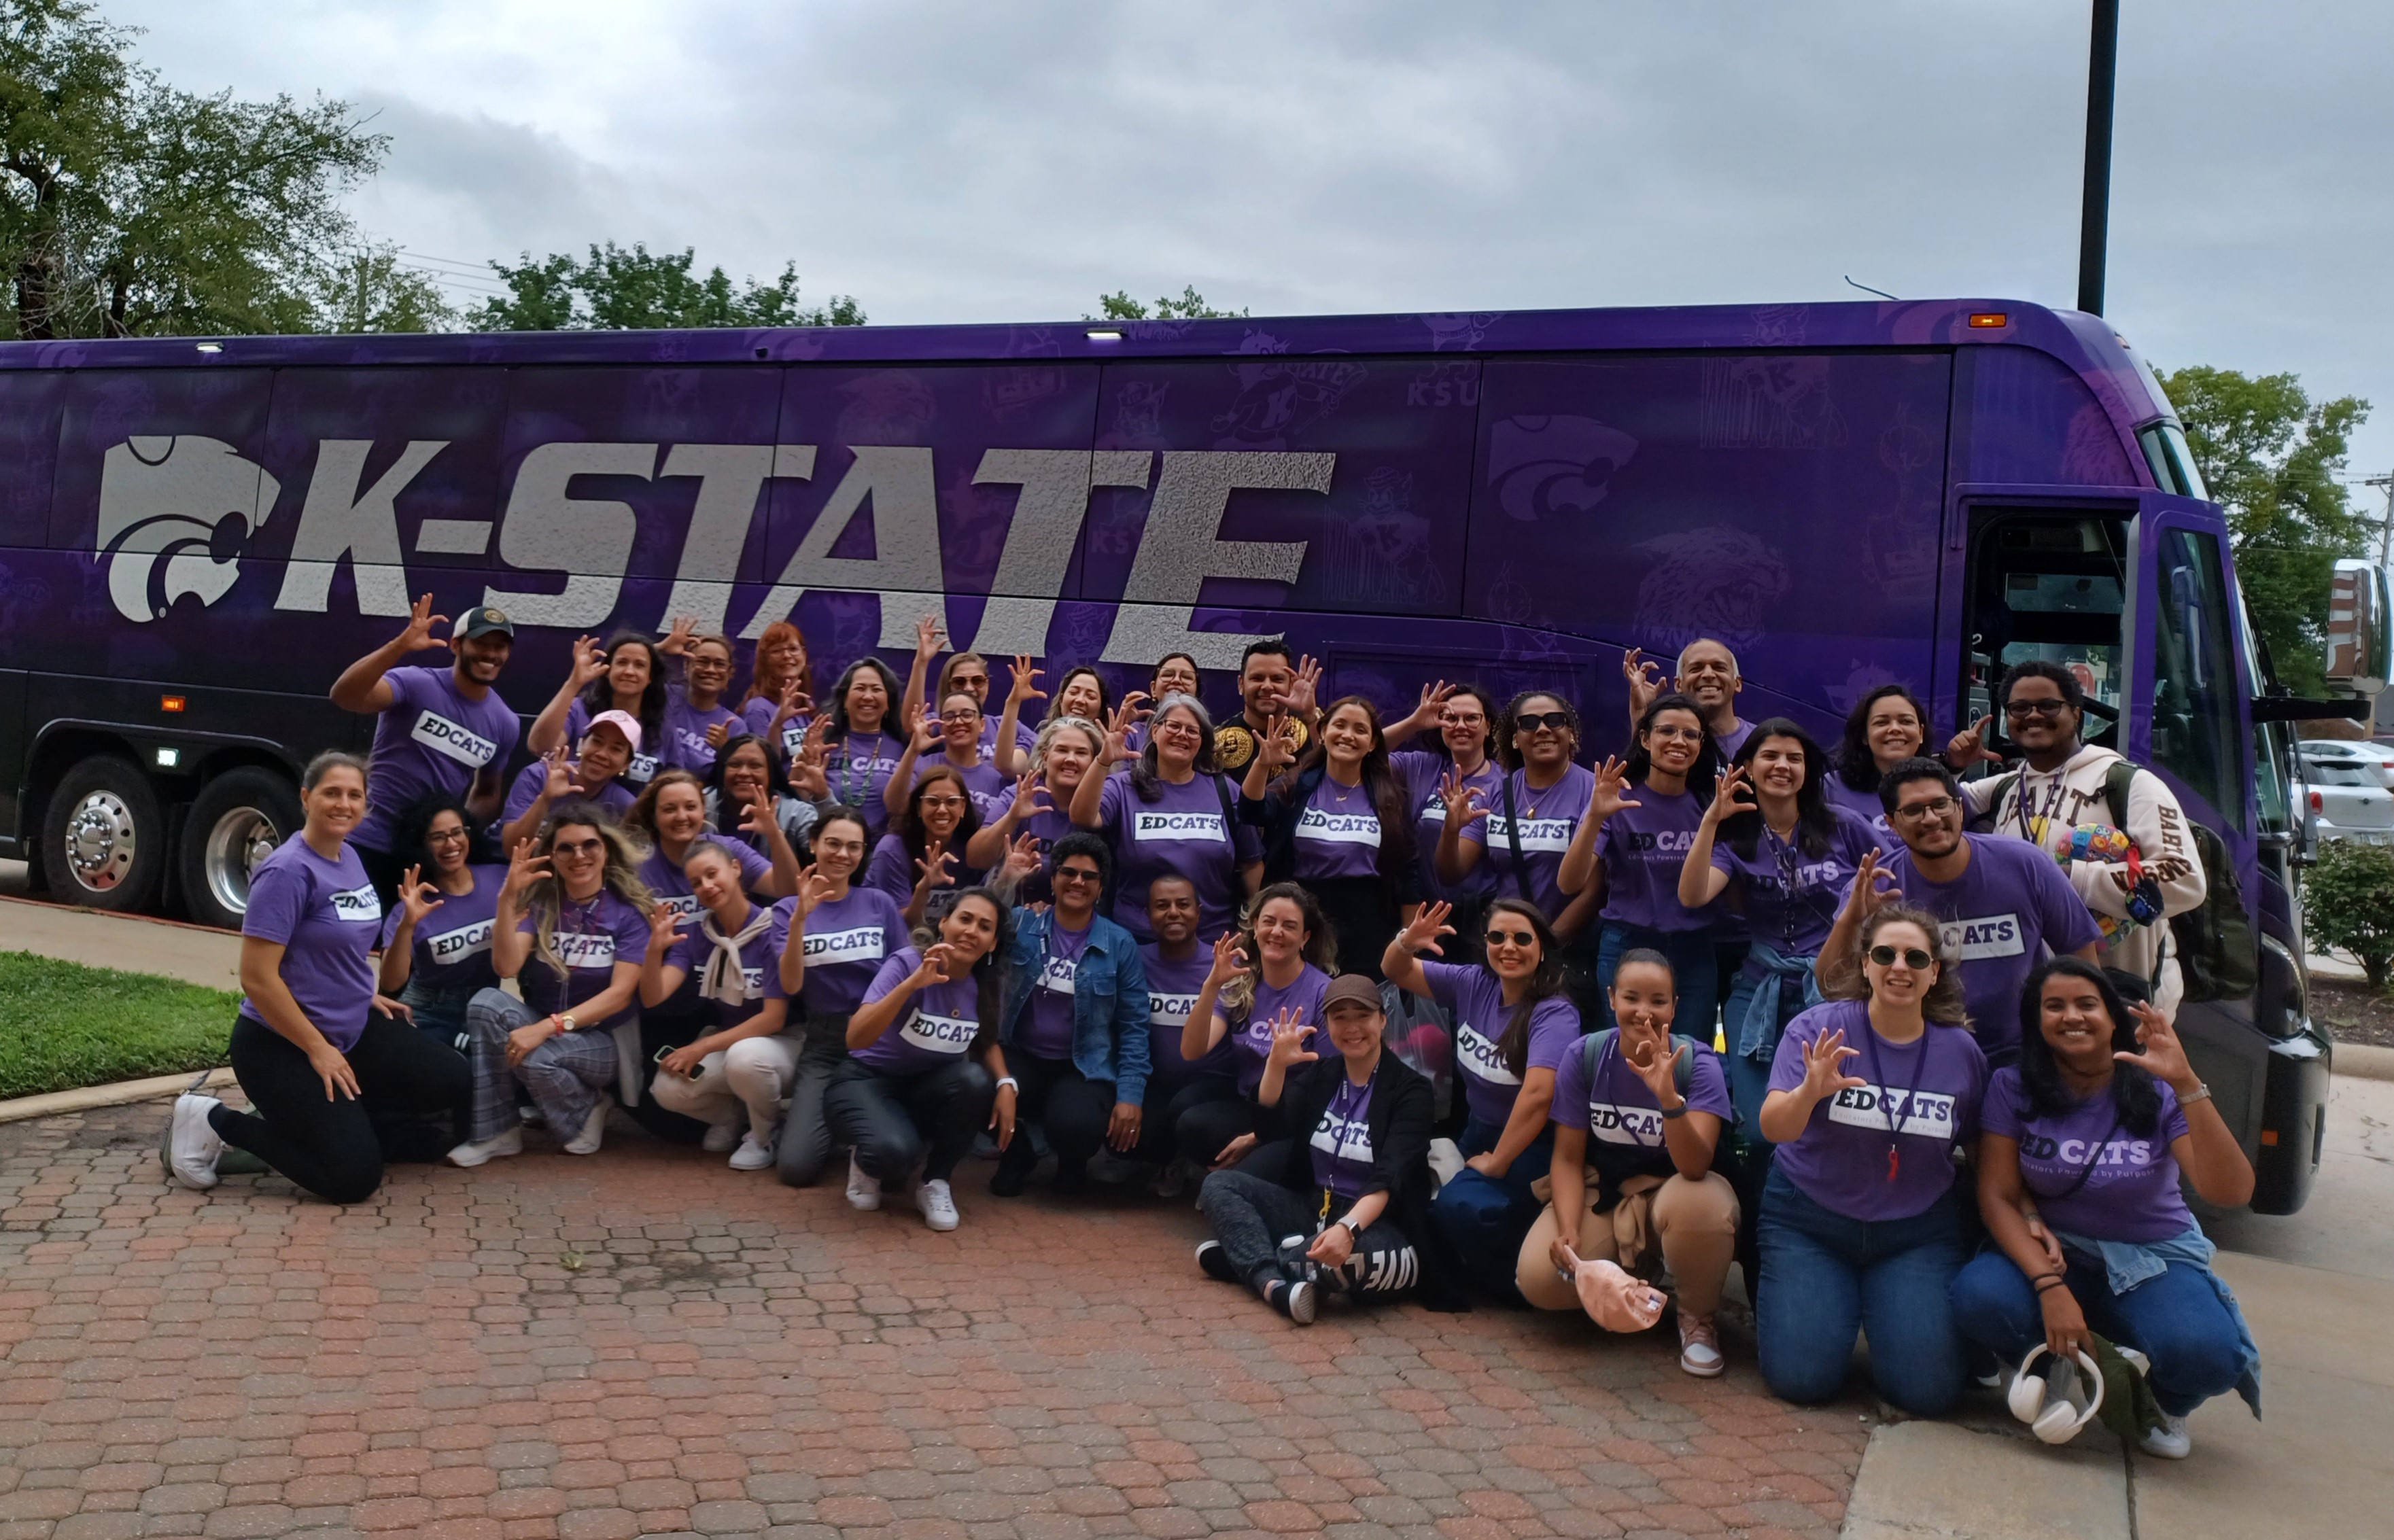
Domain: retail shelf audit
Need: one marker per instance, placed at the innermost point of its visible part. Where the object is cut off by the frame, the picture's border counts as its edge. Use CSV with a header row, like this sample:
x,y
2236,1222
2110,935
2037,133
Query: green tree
x,y
2273,459
371,290
128,208
1190,306
616,288
2348,903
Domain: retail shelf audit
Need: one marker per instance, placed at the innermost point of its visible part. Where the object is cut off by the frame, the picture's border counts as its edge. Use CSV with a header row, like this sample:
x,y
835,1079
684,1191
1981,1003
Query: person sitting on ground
x,y
320,1054
1348,1174
436,945
1638,1119
2083,1143
731,951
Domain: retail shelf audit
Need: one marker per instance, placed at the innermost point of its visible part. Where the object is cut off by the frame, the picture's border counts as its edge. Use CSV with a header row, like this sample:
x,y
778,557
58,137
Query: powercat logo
x,y
167,513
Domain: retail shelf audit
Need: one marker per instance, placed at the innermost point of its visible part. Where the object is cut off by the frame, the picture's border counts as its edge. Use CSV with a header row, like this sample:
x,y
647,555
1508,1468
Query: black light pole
x,y
2094,213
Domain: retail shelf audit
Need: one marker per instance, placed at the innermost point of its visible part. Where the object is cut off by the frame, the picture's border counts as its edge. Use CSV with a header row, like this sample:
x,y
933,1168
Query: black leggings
x,y
893,1121
1074,1109
1168,1102
332,1148
1212,1121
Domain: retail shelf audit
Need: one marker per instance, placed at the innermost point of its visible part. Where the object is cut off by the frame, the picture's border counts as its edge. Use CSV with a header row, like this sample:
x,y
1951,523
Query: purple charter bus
x,y
195,536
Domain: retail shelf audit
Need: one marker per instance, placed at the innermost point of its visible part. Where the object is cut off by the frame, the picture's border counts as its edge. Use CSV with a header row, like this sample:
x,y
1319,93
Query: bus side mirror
x,y
2360,612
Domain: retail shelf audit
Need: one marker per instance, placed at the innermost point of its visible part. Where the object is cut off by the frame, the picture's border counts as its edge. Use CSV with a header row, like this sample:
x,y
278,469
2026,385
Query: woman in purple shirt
x,y
779,702
1640,821
1337,822
951,740
749,804
923,851
1464,718
1172,812
1513,1028
1861,1228
1065,752
1281,962
733,958
697,721
320,1057
860,751
1888,727
627,675
924,1070
2079,1169
436,945
571,930
1771,839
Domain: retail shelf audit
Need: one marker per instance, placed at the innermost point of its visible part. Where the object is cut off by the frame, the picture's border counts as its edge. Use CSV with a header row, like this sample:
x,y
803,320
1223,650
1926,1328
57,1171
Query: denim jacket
x,y
1109,1000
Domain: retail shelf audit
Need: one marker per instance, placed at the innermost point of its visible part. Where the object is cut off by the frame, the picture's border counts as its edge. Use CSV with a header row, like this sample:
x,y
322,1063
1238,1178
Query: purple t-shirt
x,y
644,766
431,738
937,1027
1251,1036
760,963
1474,996
1546,820
892,869
2131,1190
1172,990
858,769
590,939
1643,850
2008,909
1733,740
1882,1149
757,715
1863,805
1337,834
847,940
1184,832
992,794
1341,1143
670,887
327,919
1046,1031
1024,735
615,795
1791,899
1421,773
1619,1112
452,944
681,741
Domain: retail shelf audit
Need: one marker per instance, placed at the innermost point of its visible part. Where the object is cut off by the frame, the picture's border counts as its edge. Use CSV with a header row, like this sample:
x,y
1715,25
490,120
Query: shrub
x,y
2348,902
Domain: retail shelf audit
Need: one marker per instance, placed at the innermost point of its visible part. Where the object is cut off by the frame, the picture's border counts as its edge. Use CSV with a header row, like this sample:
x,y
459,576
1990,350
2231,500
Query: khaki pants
x,y
1691,1225
751,1075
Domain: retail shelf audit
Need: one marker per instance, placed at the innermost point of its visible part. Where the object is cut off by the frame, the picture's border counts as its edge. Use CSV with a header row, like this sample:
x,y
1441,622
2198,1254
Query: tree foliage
x,y
128,208
615,288
2273,459
1190,306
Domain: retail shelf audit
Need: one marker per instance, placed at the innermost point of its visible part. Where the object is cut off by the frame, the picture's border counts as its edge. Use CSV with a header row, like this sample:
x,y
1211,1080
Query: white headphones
x,y
2073,1406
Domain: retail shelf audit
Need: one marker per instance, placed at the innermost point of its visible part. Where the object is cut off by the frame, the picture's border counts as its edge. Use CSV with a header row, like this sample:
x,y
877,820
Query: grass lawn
x,y
64,1025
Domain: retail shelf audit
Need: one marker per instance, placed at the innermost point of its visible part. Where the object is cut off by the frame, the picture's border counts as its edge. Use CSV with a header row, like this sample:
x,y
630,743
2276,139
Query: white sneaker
x,y
476,1152
751,1155
863,1191
2169,1441
939,1205
721,1137
594,1128
1700,1351
192,1144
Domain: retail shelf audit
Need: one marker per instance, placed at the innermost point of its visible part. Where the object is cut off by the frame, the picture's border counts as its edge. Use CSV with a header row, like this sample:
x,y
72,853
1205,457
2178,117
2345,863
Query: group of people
x,y
1431,1006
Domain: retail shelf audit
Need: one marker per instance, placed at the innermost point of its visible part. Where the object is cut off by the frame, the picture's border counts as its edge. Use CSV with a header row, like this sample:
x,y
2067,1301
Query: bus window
x,y
2196,693
2049,587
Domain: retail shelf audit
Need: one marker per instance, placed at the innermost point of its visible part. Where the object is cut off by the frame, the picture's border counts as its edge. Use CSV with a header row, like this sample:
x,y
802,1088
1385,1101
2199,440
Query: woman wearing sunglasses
x,y
1524,832
1861,1228
1513,1028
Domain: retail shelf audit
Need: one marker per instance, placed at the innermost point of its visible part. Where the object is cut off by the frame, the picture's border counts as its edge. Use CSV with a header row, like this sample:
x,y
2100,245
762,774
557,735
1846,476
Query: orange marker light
x,y
170,703
1989,320
2269,1136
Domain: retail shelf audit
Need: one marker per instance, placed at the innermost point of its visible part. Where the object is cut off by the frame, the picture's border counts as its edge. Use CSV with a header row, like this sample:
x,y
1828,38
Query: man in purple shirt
x,y
439,729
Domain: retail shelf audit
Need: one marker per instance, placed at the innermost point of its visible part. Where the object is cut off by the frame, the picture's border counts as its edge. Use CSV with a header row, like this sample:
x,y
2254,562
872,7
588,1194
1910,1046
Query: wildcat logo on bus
x,y
164,507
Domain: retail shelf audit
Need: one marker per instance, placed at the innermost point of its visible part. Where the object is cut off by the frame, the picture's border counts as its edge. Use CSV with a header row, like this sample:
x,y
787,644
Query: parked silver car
x,y
2370,755
2346,796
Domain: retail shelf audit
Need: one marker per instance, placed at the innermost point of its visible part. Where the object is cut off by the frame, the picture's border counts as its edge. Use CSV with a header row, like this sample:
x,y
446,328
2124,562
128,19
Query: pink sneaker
x,y
1700,1351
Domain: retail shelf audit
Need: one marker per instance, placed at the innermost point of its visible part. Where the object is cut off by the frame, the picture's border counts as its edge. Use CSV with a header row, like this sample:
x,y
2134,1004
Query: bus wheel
x,y
104,836
235,823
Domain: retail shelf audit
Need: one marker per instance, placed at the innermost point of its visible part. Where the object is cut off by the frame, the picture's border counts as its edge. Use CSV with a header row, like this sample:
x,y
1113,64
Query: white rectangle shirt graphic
x,y
948,1034
456,946
358,905
864,945
1539,836
1149,827
1895,1110
585,949
442,736
1339,828
1987,936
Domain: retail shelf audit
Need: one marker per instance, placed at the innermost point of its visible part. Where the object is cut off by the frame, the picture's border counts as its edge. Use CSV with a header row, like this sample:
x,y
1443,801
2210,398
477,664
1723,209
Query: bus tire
x,y
104,836
235,823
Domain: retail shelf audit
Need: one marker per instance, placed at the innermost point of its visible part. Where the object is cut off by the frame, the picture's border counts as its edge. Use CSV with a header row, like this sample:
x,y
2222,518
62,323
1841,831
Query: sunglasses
x,y
1512,938
1076,873
578,847
1530,721
2022,710
1913,957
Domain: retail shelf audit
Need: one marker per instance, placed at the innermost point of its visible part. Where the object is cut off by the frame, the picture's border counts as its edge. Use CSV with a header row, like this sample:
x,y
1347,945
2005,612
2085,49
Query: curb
x,y
125,1091
86,910
2363,1061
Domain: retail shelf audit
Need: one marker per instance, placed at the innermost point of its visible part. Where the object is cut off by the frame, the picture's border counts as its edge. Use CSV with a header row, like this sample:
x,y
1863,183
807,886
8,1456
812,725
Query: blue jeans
x,y
1694,970
1825,1277
1484,1217
2175,1320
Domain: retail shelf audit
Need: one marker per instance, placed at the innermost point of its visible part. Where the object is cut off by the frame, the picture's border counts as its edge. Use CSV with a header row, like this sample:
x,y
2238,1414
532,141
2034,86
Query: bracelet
x,y
1680,1111
2201,1093
2053,1278
1008,1082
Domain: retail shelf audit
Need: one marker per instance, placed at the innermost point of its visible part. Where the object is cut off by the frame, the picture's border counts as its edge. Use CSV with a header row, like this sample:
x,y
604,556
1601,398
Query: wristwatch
x,y
565,1021
1353,1229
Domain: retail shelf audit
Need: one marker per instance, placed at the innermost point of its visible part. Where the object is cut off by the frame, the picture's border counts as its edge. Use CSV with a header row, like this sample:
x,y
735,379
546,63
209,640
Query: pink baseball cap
x,y
622,721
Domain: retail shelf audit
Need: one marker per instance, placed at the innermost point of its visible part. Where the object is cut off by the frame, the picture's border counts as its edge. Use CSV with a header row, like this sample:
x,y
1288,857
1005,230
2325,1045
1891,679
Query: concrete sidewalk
x,y
193,954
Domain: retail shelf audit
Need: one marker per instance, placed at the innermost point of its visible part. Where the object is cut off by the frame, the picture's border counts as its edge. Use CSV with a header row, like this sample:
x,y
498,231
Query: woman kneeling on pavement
x,y
321,1057
1861,1229
1638,1120
2078,1182
910,1095
1332,1202
720,1079
572,930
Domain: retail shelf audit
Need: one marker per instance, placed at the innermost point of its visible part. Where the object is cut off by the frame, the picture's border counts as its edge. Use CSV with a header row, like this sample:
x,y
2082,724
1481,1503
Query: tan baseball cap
x,y
1350,989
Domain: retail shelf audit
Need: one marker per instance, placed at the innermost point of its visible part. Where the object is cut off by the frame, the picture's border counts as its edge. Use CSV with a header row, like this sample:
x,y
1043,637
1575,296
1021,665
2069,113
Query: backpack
x,y
2218,958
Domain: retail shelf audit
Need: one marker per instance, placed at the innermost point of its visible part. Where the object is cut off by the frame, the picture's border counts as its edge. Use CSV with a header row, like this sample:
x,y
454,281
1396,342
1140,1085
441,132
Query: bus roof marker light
x,y
1987,320
210,347
1104,333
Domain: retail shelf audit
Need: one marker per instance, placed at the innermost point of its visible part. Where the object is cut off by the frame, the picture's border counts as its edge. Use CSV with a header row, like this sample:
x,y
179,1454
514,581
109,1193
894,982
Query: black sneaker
x,y
1010,1177
1293,1300
1215,1262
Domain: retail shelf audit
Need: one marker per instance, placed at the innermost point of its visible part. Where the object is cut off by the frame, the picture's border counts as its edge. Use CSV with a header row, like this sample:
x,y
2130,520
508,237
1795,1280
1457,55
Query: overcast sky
x,y
973,161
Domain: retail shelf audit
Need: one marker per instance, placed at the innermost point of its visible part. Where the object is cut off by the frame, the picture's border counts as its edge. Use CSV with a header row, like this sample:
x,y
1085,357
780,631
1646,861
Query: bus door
x,y
2044,573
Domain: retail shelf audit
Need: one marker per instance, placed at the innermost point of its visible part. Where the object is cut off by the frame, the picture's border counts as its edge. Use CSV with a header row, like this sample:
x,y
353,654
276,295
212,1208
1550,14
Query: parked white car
x,y
2375,757
2347,798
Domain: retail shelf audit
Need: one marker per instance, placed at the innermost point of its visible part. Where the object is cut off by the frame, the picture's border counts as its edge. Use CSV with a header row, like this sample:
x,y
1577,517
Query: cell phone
x,y
658,1058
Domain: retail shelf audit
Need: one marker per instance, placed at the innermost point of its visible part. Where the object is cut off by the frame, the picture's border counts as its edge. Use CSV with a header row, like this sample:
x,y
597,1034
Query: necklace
x,y
1888,1090
853,791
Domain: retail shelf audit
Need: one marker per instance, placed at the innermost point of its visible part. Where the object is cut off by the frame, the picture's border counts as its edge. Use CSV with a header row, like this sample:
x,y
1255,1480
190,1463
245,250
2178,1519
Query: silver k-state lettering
x,y
1929,1113
442,736
358,905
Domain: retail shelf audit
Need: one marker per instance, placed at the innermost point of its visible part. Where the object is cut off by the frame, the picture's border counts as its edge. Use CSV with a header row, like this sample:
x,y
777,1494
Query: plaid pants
x,y
565,1075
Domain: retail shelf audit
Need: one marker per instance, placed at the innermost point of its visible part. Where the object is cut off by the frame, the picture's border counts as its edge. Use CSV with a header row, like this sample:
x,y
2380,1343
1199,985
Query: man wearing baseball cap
x,y
1330,1204
552,781
438,729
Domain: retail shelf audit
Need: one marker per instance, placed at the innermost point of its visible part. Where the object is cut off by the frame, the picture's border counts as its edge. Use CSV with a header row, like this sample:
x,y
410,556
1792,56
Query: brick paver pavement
x,y
648,1343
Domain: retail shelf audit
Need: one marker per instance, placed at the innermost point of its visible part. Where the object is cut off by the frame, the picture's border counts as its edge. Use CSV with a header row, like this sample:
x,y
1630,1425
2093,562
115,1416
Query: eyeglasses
x,y
943,802
1693,734
578,847
1530,721
969,714
1935,807
2022,710
446,836
1512,938
1914,957
1176,729
1076,874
